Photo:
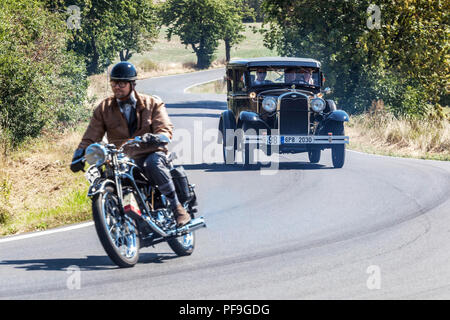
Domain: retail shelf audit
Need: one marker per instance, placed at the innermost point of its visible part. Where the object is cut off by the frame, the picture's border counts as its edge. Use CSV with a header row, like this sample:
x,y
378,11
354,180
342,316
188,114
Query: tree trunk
x,y
92,68
203,59
125,55
227,50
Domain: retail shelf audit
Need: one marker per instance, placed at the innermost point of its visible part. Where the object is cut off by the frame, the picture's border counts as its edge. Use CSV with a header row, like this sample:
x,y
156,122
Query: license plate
x,y
277,140
92,174
296,139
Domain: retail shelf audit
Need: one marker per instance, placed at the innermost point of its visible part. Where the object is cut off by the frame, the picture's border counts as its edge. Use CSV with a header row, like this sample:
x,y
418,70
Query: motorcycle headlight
x,y
317,104
269,104
95,154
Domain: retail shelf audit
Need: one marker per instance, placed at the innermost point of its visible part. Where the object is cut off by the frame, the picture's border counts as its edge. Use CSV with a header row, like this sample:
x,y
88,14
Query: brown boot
x,y
182,216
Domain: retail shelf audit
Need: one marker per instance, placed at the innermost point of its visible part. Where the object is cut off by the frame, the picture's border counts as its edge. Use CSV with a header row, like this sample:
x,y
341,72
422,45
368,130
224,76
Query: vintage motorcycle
x,y
129,212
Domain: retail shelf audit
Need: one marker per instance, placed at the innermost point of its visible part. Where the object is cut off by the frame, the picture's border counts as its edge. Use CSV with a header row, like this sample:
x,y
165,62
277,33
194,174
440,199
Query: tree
x,y
235,13
255,7
138,28
107,28
403,62
198,23
202,23
42,85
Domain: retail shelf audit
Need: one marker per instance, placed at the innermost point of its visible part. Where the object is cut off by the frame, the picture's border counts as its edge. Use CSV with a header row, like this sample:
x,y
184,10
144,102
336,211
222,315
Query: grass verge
x,y
384,134
37,188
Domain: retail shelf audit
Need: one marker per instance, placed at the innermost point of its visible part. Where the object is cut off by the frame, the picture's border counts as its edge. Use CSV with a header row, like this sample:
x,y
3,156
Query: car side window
x,y
230,81
240,81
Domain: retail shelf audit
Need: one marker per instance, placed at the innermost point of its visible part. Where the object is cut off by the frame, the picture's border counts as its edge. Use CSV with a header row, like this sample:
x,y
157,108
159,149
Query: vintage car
x,y
277,105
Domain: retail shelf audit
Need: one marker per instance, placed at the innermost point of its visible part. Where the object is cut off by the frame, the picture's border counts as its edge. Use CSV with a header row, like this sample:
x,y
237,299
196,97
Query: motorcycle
x,y
129,212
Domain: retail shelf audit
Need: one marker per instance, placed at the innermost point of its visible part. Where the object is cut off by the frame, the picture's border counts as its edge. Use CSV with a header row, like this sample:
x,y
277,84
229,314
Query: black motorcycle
x,y
129,212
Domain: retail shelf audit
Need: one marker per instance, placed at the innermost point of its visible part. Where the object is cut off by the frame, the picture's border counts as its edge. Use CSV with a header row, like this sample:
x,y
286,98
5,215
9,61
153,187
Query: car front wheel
x,y
338,155
314,156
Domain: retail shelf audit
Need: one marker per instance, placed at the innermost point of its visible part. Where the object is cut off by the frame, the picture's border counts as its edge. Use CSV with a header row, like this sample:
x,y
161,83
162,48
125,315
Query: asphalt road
x,y
379,228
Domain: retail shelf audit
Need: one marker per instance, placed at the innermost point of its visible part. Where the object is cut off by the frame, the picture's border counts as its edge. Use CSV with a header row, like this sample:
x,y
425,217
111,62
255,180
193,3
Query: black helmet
x,y
124,71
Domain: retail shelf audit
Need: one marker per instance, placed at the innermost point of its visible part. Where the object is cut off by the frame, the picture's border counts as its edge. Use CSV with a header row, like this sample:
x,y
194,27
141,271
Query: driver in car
x,y
128,114
260,77
305,76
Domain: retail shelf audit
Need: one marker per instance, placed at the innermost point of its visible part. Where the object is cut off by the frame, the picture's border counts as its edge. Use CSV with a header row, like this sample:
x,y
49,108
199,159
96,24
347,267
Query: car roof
x,y
274,61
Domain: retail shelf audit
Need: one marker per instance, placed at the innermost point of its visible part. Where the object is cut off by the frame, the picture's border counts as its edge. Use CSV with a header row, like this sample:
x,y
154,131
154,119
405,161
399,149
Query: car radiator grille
x,y
294,115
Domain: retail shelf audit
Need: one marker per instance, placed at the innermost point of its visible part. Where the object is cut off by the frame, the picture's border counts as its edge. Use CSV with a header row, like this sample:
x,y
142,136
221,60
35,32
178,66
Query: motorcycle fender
x,y
99,187
338,115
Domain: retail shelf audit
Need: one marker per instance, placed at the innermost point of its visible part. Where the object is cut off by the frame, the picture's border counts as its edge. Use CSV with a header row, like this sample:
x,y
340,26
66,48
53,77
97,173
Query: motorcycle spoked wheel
x,y
117,235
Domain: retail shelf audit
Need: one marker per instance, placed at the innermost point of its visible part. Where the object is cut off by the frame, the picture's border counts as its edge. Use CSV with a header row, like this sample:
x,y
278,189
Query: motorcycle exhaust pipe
x,y
193,225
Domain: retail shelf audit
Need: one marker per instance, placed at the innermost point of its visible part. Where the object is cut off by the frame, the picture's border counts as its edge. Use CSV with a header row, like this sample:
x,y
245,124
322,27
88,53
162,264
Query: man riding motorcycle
x,y
128,114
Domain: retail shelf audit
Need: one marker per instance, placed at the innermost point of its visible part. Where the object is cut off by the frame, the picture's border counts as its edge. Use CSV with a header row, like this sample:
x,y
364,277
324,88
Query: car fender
x,y
338,115
252,120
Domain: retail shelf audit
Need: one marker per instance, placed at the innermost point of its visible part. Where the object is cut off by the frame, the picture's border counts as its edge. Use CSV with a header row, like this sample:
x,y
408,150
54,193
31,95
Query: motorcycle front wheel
x,y
117,234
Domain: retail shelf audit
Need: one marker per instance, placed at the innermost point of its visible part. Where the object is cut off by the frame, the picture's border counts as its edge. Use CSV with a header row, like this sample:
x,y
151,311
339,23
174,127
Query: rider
x,y
128,114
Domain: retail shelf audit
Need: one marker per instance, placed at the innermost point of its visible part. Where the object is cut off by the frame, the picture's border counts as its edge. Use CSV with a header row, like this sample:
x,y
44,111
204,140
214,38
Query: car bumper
x,y
295,140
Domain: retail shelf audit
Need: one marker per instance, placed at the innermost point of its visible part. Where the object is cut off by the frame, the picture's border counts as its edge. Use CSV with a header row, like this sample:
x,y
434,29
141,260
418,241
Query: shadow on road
x,y
196,115
221,167
202,104
90,263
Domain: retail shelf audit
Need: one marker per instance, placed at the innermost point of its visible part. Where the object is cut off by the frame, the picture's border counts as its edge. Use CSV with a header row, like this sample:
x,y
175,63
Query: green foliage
x,y
106,29
202,23
404,62
235,11
256,11
40,82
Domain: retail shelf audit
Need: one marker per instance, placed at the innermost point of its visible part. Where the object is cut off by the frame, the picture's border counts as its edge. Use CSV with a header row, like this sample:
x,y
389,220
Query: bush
x,y
148,65
41,84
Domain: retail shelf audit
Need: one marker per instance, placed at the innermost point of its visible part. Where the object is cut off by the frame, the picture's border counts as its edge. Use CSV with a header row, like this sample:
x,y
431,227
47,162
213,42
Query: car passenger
x,y
289,75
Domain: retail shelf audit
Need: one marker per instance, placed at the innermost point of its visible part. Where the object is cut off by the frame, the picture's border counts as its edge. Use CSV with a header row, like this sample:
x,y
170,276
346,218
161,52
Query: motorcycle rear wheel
x,y
185,244
117,235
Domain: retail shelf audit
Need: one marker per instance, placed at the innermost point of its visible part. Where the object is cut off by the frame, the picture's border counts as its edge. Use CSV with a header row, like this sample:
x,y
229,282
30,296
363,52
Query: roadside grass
x,y
37,188
382,133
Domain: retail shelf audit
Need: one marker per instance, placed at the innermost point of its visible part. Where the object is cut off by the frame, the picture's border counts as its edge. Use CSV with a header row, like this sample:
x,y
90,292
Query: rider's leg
x,y
156,168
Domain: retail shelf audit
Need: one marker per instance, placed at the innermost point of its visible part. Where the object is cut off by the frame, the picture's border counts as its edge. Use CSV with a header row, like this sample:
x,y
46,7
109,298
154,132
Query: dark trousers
x,y
156,168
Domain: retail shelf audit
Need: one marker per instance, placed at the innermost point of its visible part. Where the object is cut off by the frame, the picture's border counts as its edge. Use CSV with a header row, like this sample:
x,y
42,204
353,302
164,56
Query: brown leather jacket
x,y
151,116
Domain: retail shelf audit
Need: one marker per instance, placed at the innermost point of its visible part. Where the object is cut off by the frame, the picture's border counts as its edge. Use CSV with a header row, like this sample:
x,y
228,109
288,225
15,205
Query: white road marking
x,y
199,84
47,232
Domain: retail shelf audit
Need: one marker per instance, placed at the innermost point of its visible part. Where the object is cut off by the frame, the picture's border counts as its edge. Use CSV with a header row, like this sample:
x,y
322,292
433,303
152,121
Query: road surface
x,y
379,228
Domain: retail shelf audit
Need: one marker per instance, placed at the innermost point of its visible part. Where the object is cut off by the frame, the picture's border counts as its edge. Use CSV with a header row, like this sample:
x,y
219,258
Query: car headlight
x,y
95,154
317,104
269,104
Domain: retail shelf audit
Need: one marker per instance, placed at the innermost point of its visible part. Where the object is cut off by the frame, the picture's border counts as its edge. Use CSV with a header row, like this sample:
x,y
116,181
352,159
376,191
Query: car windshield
x,y
288,75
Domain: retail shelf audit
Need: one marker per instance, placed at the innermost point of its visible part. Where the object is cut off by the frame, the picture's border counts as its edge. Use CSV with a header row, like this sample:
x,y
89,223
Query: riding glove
x,y
79,153
151,139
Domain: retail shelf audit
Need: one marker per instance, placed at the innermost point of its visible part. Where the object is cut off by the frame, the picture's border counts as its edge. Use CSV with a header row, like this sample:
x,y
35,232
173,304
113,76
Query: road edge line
x,y
46,232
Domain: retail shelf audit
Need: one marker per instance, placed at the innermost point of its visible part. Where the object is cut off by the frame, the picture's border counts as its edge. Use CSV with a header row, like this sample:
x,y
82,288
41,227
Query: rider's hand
x,y
151,139
79,153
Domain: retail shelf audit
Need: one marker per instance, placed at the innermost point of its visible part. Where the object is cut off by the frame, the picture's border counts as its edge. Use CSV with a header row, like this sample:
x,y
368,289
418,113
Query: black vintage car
x,y
277,105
